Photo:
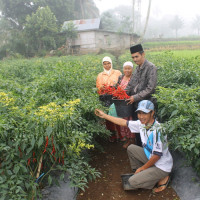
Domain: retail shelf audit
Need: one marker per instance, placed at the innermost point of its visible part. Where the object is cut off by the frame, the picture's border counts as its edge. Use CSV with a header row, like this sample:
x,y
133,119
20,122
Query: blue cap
x,y
145,106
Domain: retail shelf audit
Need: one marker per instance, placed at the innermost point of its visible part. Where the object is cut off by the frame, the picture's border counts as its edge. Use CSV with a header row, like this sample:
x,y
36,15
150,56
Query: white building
x,y
92,38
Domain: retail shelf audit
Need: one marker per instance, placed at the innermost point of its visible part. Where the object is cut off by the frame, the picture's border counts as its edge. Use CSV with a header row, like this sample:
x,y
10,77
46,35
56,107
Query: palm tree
x,y
146,23
196,24
133,7
85,9
176,24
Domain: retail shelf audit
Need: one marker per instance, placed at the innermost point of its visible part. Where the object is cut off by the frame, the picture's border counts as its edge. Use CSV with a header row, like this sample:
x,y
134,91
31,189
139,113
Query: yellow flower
x,y
80,145
53,112
4,99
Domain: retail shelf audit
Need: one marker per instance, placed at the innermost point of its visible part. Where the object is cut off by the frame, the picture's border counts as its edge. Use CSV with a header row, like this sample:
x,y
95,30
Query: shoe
x,y
161,187
127,186
125,182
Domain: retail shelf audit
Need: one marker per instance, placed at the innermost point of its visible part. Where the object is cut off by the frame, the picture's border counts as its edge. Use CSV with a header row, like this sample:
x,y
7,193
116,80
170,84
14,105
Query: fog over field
x,y
162,13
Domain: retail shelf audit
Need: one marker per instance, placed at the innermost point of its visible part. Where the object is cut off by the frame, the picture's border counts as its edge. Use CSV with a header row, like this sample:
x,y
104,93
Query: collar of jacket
x,y
143,65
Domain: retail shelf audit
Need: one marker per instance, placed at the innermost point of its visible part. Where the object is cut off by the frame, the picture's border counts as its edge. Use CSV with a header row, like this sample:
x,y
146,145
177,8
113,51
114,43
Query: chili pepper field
x,y
47,120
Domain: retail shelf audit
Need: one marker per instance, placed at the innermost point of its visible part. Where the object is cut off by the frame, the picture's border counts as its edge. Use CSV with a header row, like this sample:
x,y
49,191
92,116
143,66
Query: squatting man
x,y
153,162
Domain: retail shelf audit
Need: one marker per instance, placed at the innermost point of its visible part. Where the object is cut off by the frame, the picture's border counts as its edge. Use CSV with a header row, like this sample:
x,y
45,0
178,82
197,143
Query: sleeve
x,y
157,144
115,77
119,80
119,74
134,126
151,85
129,87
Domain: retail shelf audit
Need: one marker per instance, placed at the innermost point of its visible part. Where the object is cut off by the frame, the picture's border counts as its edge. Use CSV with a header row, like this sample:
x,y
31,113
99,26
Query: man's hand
x,y
131,100
139,170
99,113
149,163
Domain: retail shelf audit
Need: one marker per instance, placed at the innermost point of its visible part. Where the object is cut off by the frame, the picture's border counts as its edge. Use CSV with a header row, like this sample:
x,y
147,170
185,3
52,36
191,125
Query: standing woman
x,y
108,77
123,82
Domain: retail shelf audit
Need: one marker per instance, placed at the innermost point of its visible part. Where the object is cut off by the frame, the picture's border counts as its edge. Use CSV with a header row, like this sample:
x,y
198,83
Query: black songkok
x,y
136,48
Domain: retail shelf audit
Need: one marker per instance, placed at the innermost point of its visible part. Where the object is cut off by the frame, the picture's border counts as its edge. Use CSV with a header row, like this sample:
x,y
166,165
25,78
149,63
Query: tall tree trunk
x,y
133,13
82,9
146,23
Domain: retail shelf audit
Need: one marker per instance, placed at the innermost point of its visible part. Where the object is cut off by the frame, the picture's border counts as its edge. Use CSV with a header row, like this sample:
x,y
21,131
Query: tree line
x,y
32,27
35,27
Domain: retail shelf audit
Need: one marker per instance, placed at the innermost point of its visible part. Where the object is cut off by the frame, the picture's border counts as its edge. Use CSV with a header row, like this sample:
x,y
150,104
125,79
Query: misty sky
x,y
183,8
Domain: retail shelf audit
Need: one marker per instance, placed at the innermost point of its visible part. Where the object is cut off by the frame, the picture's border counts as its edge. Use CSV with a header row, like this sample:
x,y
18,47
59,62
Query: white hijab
x,y
108,59
128,63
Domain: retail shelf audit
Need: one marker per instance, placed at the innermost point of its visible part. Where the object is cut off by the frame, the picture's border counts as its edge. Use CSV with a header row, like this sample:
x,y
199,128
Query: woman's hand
x,y
102,87
99,113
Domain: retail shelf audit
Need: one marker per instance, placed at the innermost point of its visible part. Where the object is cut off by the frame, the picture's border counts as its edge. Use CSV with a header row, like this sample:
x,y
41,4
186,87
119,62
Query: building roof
x,y
114,32
85,24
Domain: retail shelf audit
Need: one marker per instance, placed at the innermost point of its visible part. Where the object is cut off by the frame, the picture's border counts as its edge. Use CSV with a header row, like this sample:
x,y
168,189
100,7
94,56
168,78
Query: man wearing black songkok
x,y
143,83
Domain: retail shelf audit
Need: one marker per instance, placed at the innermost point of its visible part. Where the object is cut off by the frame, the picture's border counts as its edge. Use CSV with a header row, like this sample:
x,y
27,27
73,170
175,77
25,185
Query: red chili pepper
x,y
20,152
19,149
28,162
120,93
34,159
47,139
53,150
107,89
63,158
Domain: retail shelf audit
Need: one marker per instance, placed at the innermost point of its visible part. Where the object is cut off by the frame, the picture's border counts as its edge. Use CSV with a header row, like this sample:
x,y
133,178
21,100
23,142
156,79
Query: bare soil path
x,y
112,163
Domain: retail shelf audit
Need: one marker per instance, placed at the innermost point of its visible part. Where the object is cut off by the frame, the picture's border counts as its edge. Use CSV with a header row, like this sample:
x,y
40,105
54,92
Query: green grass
x,y
168,43
181,53
187,53
172,45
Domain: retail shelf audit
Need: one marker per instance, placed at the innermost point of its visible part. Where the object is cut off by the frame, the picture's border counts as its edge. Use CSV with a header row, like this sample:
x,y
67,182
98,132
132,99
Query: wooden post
x,y
39,166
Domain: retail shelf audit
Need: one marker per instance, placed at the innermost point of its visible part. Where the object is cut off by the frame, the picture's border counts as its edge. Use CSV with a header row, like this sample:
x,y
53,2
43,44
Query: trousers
x,y
147,178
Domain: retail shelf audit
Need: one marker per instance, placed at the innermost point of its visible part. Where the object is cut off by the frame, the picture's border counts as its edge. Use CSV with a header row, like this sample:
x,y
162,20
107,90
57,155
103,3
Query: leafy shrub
x,y
47,121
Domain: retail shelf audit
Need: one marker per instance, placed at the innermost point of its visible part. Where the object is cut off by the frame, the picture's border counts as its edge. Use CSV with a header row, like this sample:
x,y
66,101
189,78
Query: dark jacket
x,y
143,82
